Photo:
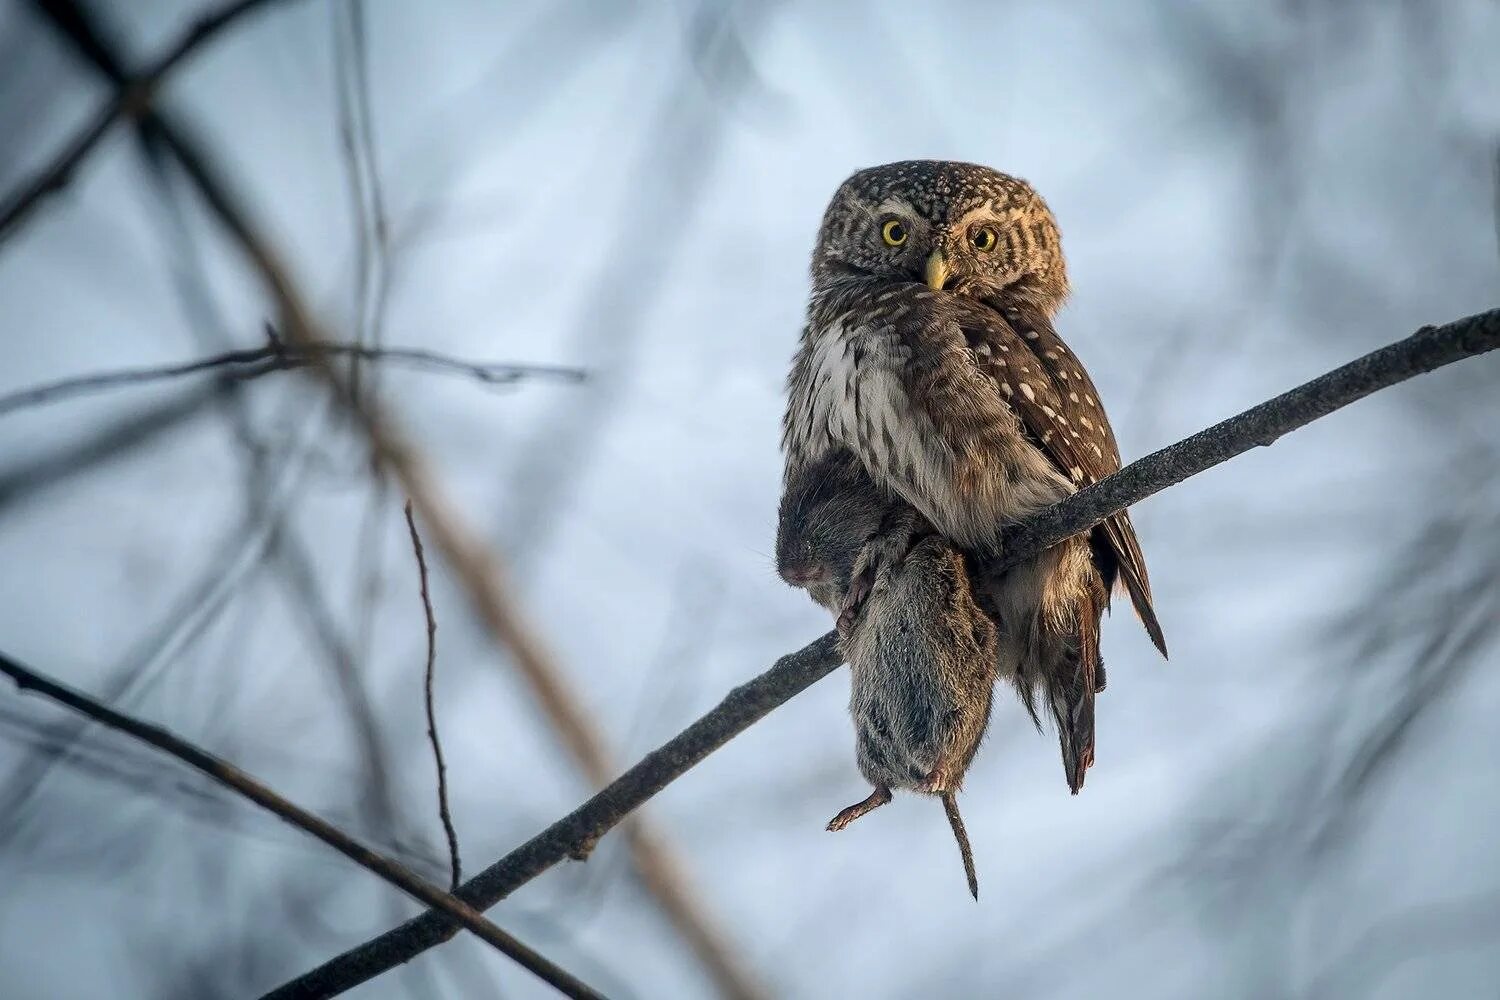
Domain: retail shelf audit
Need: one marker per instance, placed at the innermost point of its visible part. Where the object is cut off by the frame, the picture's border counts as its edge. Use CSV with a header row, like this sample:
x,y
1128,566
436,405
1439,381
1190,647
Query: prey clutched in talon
x,y
937,781
879,797
854,600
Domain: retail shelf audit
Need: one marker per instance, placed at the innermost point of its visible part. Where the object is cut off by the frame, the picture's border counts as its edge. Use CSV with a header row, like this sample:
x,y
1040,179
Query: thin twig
x,y
128,101
1427,349
432,733
227,774
254,362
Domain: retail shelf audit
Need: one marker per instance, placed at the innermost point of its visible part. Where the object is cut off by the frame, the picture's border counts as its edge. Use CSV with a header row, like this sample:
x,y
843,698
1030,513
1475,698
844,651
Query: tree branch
x,y
432,732
1258,427
277,356
227,774
1427,349
128,101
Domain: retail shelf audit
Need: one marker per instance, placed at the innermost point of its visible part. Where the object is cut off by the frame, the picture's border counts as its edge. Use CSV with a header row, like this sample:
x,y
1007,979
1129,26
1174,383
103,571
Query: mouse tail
x,y
950,806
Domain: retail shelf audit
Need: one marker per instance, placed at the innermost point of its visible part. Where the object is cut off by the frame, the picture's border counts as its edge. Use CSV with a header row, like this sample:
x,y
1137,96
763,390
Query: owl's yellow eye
x,y
893,232
983,238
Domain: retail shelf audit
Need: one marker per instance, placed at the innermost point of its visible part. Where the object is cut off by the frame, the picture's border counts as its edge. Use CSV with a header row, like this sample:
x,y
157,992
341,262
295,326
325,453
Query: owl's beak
x,y
937,271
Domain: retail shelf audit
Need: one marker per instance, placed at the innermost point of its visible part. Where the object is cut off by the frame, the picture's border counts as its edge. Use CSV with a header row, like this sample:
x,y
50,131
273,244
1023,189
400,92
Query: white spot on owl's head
x,y
1027,391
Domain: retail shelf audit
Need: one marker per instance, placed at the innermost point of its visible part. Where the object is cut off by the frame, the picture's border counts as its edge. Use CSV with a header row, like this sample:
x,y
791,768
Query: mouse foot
x,y
879,797
854,600
937,781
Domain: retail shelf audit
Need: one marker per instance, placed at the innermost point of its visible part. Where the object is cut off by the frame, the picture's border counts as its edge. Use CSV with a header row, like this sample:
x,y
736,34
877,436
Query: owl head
x,y
954,226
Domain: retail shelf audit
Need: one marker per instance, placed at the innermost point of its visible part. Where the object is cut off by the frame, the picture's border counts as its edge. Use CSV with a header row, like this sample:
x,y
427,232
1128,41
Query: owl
x,y
929,351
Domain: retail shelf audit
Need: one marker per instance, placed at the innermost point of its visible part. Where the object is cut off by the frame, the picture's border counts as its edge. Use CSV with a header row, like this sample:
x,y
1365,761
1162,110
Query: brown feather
x,y
1059,406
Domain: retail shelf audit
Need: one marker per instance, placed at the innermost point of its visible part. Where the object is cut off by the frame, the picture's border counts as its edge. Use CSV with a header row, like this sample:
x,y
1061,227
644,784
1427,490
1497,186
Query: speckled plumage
x,y
935,362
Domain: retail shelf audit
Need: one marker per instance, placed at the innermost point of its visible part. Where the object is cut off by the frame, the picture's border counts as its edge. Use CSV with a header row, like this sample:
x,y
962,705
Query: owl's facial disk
x,y
981,248
951,226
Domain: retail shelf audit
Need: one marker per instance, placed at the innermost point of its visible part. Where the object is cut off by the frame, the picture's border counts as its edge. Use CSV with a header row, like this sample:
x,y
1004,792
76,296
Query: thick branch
x,y
227,774
1427,349
275,356
128,101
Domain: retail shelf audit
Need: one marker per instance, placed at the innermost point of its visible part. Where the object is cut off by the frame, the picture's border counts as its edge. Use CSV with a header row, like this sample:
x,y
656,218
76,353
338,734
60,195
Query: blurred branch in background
x,y
129,100
227,774
681,150
264,455
275,356
1260,426
1440,926
24,480
476,567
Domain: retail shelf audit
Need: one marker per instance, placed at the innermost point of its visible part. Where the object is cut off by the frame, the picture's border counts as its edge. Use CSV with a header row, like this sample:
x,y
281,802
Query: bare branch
x,y
1260,426
128,101
432,733
227,774
1427,349
276,356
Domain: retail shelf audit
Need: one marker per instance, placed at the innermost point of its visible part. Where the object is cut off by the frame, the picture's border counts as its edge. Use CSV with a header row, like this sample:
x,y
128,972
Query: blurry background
x,y
1302,803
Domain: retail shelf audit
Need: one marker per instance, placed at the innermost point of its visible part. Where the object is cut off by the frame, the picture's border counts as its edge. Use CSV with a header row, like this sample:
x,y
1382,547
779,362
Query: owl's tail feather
x,y
1120,534
1072,685
1140,599
1075,724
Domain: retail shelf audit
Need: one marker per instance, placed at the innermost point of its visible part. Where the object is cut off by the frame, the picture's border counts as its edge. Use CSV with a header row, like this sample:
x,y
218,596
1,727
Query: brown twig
x,y
275,356
227,774
128,101
432,733
473,564
1427,349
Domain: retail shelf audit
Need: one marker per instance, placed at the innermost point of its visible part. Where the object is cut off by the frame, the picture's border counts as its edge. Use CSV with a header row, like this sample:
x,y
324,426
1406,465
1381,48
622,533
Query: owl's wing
x,y
1053,395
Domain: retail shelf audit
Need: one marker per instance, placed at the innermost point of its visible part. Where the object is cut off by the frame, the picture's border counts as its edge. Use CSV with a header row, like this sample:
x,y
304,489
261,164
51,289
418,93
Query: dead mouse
x,y
922,655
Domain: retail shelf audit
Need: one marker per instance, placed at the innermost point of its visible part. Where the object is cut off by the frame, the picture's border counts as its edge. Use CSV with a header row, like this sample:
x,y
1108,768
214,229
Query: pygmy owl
x,y
929,352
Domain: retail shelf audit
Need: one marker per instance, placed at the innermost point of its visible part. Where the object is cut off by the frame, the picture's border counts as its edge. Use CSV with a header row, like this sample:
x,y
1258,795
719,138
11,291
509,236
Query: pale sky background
x,y
1302,803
